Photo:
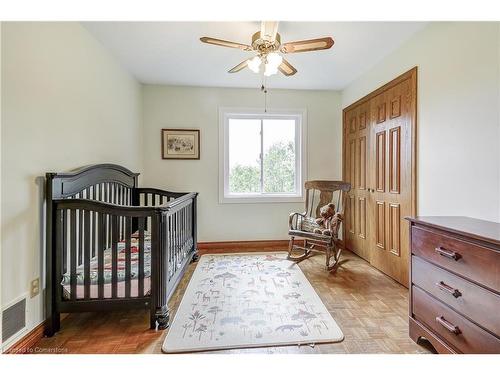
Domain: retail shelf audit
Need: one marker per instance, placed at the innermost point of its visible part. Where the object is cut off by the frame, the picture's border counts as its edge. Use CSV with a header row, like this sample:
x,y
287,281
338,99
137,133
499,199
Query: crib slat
x,y
64,229
176,235
141,257
106,192
128,255
179,235
121,201
171,247
93,241
146,203
86,255
114,256
186,224
176,260
183,234
153,199
73,254
101,235
170,256
91,195
80,236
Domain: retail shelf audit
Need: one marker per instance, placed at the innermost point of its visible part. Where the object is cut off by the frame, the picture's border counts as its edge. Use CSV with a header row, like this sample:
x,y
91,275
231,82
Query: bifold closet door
x,y
382,175
391,180
357,134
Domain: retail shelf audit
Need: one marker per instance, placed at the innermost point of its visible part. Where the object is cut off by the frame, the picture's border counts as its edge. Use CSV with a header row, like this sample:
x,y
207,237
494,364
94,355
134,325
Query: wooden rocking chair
x,y
301,225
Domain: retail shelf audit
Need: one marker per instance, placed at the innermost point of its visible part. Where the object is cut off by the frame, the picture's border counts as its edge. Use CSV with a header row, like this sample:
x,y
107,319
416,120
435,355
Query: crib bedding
x,y
120,290
134,270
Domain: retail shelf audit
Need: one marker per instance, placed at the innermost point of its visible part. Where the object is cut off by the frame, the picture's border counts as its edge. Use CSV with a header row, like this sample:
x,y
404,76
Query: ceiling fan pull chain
x,y
264,89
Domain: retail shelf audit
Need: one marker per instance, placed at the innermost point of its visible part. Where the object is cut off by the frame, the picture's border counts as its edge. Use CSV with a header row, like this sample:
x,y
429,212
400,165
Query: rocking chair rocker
x,y
302,225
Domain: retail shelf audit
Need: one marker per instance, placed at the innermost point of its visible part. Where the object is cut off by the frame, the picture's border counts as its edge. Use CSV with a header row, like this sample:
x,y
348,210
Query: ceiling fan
x,y
267,44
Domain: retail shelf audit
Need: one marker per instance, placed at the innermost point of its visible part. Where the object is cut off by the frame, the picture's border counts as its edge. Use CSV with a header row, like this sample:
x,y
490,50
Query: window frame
x,y
300,117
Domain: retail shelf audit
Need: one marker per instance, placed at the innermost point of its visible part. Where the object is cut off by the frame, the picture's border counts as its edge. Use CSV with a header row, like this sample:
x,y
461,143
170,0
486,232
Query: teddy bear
x,y
329,222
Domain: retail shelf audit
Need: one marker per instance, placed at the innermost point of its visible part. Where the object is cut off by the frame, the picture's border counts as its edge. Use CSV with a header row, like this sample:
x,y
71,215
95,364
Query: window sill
x,y
261,199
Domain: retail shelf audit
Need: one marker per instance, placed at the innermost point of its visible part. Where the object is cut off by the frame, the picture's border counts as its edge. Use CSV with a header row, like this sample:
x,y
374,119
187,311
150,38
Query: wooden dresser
x,y
455,283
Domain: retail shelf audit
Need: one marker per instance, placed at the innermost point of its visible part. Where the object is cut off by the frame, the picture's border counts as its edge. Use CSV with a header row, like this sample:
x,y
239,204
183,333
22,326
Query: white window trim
x,y
301,161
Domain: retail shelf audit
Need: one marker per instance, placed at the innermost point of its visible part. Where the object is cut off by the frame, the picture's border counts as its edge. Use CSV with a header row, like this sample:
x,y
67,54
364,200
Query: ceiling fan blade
x,y
286,68
307,45
239,67
225,43
268,30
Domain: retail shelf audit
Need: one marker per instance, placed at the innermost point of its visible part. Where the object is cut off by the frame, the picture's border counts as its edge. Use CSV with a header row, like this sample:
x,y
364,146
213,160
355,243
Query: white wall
x,y
458,115
65,103
498,42
191,107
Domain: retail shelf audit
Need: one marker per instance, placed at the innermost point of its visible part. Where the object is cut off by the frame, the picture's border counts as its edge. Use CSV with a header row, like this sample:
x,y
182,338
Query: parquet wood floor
x,y
370,308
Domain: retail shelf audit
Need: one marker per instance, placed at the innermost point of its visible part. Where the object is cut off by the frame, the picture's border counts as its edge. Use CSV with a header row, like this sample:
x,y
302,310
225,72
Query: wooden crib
x,y
112,245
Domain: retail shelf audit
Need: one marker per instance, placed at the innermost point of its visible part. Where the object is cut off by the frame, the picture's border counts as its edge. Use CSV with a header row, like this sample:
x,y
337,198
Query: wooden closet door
x,y
357,133
390,179
379,148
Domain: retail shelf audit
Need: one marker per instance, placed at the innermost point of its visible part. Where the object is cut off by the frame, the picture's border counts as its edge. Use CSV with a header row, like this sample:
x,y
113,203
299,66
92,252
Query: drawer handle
x,y
446,288
446,324
448,254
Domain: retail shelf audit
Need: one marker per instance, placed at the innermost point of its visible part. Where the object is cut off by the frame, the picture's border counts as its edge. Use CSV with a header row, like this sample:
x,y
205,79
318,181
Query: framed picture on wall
x,y
180,144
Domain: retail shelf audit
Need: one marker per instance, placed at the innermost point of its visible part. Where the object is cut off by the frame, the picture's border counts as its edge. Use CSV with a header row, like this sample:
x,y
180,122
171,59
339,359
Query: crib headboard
x,y
64,185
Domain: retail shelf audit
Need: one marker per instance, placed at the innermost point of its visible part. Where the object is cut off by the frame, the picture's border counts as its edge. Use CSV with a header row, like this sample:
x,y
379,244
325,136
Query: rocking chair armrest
x,y
291,218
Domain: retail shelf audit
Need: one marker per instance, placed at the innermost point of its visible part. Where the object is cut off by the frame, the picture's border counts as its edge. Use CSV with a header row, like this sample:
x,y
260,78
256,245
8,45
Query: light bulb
x,y
274,60
270,70
254,64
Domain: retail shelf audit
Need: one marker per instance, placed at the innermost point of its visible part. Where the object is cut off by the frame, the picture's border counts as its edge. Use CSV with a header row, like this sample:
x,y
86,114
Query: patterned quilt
x,y
134,267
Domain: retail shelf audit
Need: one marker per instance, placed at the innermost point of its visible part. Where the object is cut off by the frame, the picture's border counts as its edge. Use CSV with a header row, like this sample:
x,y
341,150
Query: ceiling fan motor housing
x,y
265,46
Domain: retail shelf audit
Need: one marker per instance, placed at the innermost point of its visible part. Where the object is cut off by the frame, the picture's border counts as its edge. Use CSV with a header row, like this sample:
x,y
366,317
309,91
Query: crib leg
x,y
160,316
196,257
52,325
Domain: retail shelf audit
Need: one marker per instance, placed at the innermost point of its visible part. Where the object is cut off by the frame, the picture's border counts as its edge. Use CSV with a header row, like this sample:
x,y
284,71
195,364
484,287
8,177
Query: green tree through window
x,y
278,172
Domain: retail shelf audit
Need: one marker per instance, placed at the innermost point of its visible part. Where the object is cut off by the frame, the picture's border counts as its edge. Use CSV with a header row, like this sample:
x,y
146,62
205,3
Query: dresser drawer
x,y
467,298
474,262
459,332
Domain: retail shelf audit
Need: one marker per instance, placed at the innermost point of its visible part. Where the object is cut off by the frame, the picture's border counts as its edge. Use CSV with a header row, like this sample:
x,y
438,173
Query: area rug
x,y
249,300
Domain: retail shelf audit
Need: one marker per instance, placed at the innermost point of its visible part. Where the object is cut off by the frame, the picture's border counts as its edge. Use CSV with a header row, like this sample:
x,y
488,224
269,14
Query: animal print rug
x,y
249,300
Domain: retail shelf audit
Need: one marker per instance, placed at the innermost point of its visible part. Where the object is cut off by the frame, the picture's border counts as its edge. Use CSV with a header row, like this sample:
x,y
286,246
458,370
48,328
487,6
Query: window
x,y
261,156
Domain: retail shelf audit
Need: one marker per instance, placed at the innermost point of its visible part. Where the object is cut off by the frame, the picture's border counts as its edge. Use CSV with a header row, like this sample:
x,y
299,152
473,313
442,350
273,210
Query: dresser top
x,y
483,230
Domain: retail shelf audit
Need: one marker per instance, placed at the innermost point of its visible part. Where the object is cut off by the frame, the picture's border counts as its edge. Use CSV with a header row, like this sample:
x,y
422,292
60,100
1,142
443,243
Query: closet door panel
x,y
356,134
392,179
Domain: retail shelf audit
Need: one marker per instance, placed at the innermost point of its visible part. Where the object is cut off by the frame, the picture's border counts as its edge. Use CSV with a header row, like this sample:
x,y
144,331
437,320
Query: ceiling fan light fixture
x,y
270,70
274,60
254,64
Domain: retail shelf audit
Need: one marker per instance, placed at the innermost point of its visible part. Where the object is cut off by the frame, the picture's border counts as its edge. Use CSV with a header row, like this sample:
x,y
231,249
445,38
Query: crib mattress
x,y
134,271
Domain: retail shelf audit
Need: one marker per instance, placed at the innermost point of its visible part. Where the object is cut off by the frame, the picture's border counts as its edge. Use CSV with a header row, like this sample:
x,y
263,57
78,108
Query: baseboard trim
x,y
26,344
238,246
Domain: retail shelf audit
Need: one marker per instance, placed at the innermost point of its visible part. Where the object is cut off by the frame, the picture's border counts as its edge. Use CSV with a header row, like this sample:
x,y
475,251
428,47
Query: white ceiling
x,y
171,53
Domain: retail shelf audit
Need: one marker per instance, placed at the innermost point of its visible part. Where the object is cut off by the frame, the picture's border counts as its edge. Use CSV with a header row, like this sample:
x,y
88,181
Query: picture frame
x,y
180,144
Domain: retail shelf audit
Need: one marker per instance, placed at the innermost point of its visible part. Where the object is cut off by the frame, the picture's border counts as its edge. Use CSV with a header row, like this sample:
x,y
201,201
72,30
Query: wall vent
x,y
13,319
